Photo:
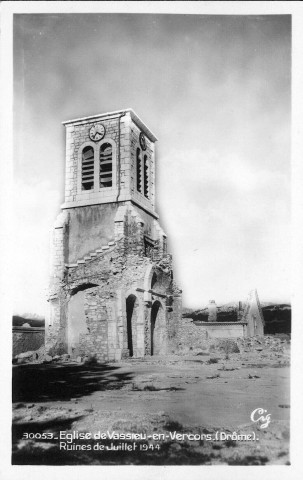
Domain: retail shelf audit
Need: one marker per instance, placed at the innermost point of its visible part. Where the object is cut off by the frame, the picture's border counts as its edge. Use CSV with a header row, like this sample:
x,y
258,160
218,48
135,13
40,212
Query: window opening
x,y
87,169
106,165
139,173
146,192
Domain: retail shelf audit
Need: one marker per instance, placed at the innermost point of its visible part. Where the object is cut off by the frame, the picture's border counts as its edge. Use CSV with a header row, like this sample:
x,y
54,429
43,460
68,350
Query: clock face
x,y
97,132
142,141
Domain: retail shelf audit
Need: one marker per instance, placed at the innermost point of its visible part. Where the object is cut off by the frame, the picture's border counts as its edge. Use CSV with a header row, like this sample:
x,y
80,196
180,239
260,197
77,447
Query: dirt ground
x,y
197,396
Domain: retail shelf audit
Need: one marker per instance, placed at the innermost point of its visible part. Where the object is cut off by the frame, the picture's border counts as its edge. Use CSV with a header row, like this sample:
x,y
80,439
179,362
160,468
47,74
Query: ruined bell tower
x,y
112,293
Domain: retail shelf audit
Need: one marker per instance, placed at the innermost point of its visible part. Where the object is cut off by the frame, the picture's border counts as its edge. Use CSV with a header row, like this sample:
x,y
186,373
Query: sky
x,y
215,90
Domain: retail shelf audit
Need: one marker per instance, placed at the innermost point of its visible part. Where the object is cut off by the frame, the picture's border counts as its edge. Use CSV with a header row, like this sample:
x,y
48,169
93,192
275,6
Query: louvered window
x,y
139,171
146,174
87,169
106,165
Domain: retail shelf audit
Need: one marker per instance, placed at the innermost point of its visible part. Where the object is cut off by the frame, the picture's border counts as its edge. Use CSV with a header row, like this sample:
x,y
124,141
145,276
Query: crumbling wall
x,y
94,343
108,276
108,280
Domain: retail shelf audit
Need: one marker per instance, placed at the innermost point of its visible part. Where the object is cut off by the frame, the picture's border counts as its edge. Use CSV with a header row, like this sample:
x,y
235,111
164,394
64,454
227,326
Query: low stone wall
x,y
222,329
192,335
189,336
27,339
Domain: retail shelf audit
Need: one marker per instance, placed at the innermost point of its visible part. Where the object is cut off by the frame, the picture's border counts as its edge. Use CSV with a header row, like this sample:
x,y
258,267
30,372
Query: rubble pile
x,y
274,343
276,346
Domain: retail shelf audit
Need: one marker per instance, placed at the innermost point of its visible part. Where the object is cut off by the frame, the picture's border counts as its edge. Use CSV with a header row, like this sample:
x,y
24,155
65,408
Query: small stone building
x,y
250,322
112,293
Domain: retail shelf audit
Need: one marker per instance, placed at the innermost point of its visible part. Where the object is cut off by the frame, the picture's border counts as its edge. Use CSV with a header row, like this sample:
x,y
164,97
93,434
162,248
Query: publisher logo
x,y
259,415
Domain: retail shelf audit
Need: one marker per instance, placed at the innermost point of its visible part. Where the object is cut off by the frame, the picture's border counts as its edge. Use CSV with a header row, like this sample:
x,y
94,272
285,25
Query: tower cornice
x,y
110,115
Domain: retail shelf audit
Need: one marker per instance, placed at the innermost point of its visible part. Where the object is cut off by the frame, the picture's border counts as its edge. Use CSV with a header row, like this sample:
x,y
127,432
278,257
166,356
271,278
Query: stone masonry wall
x,y
224,330
189,336
123,134
95,343
77,136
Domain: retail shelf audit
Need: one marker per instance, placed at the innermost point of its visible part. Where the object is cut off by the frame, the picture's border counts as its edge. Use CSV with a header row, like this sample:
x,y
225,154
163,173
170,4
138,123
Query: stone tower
x,y
112,293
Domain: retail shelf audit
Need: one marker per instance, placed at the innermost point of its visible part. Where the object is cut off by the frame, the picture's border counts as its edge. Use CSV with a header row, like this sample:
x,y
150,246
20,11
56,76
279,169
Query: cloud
x,y
33,219
228,223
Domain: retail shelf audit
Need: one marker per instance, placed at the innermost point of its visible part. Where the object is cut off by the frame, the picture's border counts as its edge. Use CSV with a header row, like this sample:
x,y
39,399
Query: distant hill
x,y
18,321
277,317
225,313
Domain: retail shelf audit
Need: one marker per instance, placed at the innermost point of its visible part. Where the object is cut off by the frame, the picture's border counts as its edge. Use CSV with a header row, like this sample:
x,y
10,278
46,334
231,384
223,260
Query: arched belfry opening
x,y
131,323
87,169
157,330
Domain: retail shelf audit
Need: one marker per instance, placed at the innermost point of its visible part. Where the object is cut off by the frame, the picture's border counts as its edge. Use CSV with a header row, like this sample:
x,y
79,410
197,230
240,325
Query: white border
x,y
223,8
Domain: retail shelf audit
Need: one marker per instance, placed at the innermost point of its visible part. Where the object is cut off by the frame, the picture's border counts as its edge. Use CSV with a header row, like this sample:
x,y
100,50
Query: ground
x,y
198,393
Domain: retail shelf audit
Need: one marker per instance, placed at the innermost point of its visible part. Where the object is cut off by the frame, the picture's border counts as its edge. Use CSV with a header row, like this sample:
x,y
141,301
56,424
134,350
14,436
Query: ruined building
x,y
112,293
250,321
251,313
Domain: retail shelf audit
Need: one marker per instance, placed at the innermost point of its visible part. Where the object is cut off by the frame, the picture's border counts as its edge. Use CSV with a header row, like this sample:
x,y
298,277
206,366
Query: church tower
x,y
112,293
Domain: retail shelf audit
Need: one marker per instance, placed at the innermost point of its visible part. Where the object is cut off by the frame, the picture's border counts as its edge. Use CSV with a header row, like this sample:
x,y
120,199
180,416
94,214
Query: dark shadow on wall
x,y
42,383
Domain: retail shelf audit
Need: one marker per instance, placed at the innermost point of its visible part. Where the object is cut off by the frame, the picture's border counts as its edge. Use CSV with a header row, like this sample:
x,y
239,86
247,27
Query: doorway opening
x,y
131,323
